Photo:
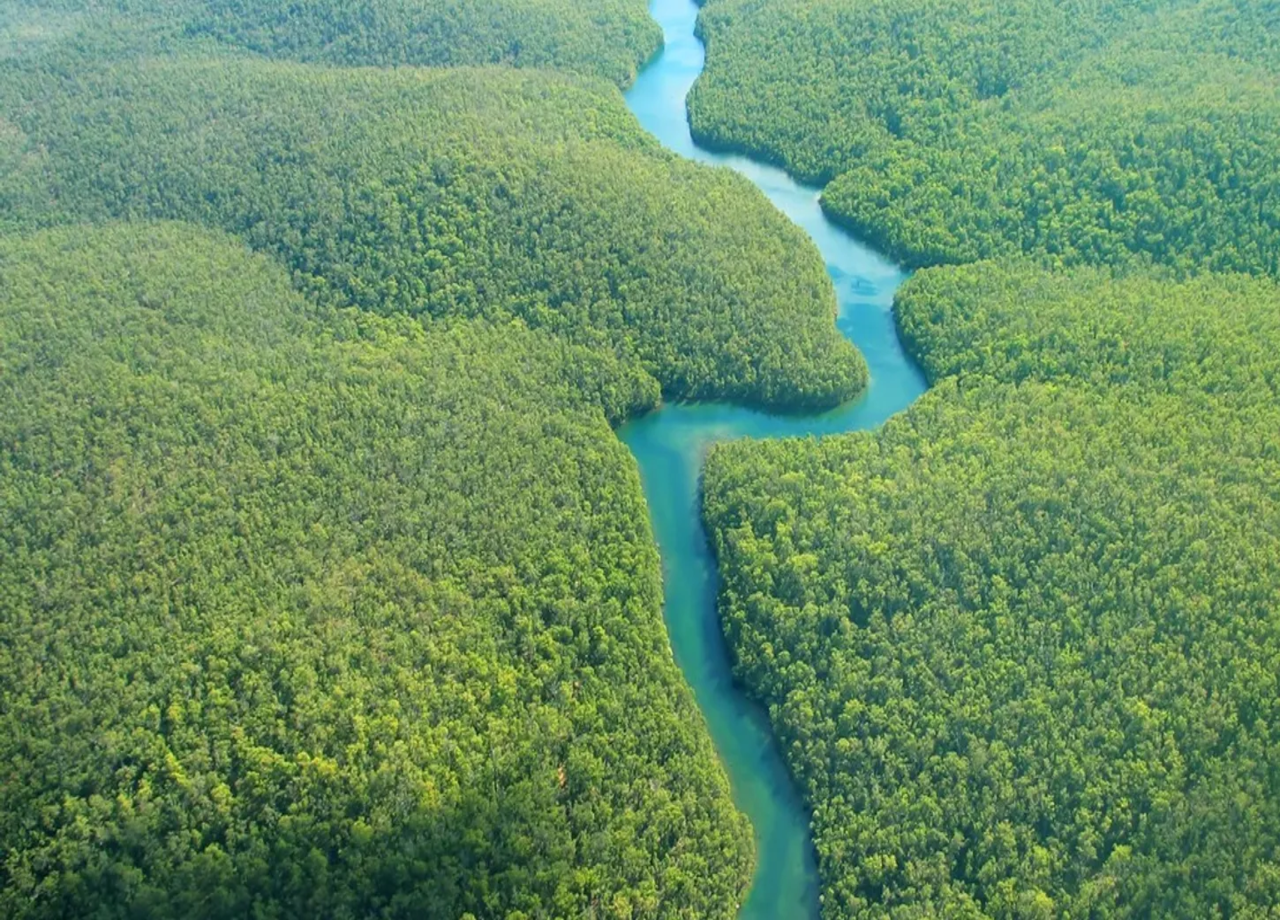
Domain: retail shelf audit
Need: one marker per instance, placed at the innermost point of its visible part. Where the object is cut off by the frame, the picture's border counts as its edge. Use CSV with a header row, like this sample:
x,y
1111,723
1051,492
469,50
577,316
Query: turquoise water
x,y
669,446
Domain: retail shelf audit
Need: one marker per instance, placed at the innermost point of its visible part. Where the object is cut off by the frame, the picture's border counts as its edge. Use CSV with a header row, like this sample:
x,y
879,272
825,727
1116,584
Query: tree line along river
x,y
669,446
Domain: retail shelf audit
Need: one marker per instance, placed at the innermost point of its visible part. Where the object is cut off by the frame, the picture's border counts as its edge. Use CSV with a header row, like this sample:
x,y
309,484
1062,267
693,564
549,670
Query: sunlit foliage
x,y
1022,645
607,38
1075,132
308,612
491,193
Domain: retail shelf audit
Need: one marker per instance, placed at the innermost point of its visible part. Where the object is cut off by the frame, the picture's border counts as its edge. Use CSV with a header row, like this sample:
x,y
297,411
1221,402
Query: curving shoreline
x,y
669,446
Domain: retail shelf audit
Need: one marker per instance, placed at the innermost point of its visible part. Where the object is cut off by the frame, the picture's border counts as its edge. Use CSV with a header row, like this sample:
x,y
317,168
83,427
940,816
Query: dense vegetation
x,y
325,588
492,193
313,613
1074,132
608,38
1126,333
1022,645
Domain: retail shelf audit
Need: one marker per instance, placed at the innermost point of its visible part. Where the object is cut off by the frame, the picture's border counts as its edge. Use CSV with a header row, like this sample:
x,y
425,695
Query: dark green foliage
x,y
1075,132
311,613
476,193
606,38
1022,645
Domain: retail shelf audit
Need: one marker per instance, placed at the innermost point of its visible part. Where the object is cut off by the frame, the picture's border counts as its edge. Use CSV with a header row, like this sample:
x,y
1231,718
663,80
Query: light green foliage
x,y
314,613
23,187
1076,132
1022,644
606,38
1213,335
491,193
26,29
1021,647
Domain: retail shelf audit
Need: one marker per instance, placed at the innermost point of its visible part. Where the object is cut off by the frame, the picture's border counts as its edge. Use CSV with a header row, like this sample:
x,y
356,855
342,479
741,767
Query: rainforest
x,y
744,459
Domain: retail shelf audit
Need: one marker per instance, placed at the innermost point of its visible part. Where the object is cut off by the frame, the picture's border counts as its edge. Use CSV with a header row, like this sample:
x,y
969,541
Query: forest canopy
x,y
1215,335
458,192
608,38
309,612
1021,645
1076,133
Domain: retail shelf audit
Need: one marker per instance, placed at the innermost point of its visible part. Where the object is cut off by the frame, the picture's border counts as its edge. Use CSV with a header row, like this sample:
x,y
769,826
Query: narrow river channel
x,y
669,446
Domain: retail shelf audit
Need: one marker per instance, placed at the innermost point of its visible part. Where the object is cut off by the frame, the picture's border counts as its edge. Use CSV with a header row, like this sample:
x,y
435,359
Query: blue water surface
x,y
669,446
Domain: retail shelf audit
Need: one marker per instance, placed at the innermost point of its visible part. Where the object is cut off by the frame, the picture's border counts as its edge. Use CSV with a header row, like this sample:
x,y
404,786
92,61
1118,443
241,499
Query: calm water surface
x,y
669,446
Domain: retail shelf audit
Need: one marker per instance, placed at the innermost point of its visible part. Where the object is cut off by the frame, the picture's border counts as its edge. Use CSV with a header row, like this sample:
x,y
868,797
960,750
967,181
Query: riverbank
x,y
669,447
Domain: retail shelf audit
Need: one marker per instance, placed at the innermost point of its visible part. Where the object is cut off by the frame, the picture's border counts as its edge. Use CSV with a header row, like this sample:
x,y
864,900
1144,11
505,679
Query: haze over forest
x,y
329,589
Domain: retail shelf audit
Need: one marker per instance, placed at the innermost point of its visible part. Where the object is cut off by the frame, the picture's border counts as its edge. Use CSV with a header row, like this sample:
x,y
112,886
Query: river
x,y
669,446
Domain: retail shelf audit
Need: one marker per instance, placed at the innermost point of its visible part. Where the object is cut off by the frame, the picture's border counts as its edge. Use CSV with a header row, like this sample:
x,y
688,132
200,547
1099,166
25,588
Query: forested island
x,y
327,588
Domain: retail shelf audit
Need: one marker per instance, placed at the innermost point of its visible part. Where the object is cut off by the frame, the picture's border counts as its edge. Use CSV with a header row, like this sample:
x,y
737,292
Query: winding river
x,y
669,446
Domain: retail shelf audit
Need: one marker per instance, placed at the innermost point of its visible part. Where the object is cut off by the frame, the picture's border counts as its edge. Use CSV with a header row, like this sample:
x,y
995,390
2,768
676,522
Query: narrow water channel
x,y
669,446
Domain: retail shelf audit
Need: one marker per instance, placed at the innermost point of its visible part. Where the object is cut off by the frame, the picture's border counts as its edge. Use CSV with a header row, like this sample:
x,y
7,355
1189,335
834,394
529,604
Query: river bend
x,y
669,446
